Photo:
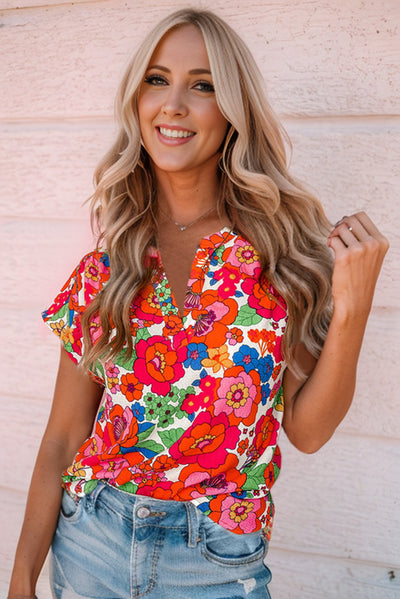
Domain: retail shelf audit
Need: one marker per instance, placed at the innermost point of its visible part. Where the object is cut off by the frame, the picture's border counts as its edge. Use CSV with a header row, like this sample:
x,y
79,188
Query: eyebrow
x,y
191,72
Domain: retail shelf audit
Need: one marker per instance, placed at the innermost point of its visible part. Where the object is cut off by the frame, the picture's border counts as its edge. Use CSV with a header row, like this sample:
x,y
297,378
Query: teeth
x,y
175,132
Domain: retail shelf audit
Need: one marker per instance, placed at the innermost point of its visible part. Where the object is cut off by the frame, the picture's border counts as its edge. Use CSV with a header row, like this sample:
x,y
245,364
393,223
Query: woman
x,y
221,288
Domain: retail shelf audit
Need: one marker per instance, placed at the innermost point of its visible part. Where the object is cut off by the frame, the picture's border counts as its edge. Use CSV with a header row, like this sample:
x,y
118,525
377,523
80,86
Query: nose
x,y
174,102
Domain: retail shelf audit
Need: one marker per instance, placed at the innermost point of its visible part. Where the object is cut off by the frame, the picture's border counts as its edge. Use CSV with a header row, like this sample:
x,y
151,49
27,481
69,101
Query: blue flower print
x,y
246,357
195,354
265,393
138,411
265,367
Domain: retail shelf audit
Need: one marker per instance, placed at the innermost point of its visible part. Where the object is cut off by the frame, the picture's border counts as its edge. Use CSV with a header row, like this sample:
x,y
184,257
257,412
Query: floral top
x,y
195,414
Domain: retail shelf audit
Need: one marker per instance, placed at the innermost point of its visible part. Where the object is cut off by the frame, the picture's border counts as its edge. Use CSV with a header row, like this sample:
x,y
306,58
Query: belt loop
x,y
192,523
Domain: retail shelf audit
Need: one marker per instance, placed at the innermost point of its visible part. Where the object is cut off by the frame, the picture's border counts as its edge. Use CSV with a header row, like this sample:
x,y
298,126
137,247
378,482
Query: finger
x,y
337,245
346,233
368,225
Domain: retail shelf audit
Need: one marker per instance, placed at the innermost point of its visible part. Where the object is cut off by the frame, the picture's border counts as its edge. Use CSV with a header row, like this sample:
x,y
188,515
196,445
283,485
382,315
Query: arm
x,y
314,409
75,403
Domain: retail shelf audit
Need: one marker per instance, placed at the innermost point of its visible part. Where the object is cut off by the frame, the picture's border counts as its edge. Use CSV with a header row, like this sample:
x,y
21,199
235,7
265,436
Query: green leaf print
x,y
247,316
255,477
60,314
90,486
151,445
129,487
171,436
124,361
143,435
142,333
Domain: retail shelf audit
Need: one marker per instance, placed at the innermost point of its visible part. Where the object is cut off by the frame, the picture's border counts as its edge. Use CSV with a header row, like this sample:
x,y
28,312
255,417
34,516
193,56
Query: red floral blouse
x,y
195,414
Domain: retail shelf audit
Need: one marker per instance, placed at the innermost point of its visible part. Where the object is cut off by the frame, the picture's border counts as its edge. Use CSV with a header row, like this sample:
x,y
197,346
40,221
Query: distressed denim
x,y
114,545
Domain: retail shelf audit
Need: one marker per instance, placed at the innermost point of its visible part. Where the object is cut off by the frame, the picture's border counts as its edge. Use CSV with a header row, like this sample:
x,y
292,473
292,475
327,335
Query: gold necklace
x,y
184,227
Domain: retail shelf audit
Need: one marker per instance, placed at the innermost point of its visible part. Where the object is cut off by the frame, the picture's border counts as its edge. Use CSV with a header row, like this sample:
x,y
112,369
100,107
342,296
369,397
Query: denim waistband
x,y
143,510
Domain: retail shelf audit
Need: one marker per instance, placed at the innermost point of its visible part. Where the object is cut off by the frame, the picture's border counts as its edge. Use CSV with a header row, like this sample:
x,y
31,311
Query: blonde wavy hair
x,y
285,223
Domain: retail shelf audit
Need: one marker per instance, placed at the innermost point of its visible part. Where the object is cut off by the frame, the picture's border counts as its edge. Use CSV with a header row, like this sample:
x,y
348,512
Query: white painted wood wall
x,y
332,69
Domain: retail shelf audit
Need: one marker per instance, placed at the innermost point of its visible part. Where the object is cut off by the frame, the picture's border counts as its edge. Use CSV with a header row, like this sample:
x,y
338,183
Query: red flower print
x,y
120,429
159,361
238,515
146,306
230,278
267,304
266,434
206,441
131,387
195,481
202,400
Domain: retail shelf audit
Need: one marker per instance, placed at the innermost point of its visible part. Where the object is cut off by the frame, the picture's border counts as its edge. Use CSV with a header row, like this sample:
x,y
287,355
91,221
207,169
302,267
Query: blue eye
x,y
155,80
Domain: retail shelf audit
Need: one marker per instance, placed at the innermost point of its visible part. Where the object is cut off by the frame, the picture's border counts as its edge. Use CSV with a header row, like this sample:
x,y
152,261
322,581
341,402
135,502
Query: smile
x,y
174,133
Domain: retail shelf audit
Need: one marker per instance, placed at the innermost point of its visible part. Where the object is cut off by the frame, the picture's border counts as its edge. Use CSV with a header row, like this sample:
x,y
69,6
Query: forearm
x,y
40,518
315,411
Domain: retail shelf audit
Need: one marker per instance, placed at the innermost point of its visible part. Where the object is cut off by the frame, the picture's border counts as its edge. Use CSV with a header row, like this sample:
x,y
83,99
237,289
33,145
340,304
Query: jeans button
x,y
143,512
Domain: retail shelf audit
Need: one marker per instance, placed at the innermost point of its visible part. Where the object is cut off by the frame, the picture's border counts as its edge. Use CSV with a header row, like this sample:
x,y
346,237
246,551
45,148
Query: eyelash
x,y
156,80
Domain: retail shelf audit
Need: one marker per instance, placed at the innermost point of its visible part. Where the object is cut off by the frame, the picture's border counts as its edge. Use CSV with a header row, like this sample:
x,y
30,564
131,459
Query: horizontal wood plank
x,y
309,576
342,501
318,57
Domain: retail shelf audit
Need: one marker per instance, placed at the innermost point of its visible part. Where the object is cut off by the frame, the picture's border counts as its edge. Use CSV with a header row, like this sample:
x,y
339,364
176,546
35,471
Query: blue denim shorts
x,y
114,545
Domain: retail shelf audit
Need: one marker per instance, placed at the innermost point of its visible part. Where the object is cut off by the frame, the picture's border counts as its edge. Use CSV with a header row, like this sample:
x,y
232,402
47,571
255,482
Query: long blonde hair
x,y
284,222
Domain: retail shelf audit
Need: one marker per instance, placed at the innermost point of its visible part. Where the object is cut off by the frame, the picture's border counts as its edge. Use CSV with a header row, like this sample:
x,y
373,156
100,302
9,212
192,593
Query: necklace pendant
x,y
183,227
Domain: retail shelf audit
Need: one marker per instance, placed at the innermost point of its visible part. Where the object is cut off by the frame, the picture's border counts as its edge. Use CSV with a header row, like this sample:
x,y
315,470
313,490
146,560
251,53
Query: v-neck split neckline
x,y
202,258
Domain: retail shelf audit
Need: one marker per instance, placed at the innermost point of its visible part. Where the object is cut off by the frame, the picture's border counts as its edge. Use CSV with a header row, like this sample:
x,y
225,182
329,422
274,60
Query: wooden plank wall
x,y
332,70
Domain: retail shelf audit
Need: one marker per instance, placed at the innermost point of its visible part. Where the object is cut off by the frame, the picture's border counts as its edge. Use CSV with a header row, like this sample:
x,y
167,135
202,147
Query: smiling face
x,y
181,125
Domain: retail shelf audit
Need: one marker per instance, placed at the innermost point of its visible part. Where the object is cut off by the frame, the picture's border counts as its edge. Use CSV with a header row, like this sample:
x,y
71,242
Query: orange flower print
x,y
242,446
173,324
131,387
63,331
234,336
217,358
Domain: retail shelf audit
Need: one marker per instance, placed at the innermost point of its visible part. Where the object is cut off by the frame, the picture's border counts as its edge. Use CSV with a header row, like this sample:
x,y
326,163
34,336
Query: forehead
x,y
183,47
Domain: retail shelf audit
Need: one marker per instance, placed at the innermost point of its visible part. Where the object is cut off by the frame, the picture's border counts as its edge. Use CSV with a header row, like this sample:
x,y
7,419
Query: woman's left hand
x,y
359,249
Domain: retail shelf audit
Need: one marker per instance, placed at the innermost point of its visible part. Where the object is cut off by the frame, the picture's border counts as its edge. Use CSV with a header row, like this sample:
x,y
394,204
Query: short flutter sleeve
x,y
64,315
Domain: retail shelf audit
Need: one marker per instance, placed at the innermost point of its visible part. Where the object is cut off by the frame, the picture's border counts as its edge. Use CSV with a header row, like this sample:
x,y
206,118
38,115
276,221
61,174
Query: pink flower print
x,y
112,372
244,257
239,513
236,394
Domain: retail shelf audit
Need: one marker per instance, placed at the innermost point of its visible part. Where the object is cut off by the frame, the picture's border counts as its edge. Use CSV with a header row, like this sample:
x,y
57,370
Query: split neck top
x,y
194,414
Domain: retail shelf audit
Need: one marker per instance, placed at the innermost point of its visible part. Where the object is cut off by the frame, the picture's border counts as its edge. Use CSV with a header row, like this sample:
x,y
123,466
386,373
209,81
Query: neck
x,y
186,196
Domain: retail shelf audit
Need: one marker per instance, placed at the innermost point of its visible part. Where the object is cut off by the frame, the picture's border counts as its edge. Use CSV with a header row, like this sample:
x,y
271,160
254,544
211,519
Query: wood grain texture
x,y
342,501
318,57
330,579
